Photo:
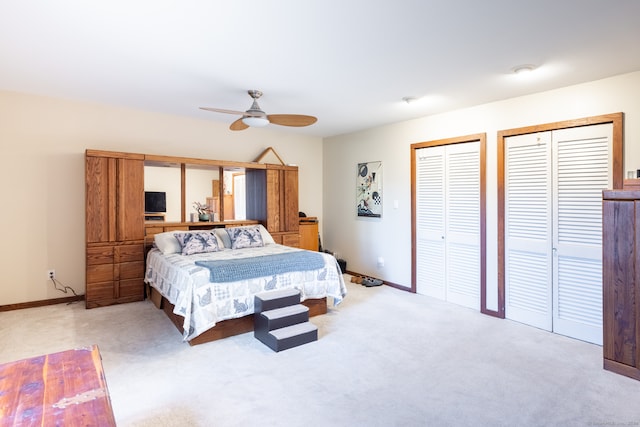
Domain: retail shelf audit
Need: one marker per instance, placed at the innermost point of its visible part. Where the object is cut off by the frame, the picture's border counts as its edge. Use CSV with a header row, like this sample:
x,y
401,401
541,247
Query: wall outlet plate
x,y
51,274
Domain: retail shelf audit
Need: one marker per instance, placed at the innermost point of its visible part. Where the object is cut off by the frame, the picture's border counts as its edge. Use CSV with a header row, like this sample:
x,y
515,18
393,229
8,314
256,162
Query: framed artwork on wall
x,y
369,189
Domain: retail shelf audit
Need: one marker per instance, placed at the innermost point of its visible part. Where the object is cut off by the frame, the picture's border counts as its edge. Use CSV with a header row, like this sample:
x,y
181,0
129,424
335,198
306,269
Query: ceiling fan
x,y
255,117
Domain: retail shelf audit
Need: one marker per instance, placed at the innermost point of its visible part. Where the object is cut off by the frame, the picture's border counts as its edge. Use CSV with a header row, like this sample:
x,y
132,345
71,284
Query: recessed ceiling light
x,y
524,68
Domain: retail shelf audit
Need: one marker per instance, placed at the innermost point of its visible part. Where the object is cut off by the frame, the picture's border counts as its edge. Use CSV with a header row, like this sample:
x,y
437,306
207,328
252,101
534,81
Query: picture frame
x,y
369,189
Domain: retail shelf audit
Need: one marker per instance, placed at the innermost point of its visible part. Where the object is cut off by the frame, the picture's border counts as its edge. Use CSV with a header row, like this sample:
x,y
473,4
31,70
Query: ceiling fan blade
x,y
221,110
297,120
238,125
244,113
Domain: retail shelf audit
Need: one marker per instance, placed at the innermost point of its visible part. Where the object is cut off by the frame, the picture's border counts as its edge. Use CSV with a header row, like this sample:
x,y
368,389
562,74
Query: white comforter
x,y
203,303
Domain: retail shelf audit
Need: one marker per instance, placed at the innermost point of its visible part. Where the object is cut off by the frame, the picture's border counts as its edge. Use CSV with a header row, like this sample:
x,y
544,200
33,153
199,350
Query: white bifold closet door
x,y
448,223
553,229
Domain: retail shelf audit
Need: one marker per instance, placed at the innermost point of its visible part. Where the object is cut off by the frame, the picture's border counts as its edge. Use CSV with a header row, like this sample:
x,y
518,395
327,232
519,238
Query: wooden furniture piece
x,y
114,228
631,184
272,199
621,279
116,231
309,233
58,389
154,216
151,228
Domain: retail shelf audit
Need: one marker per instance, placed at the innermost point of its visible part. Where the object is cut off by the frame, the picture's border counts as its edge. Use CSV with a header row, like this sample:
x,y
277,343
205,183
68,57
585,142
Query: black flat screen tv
x,y
155,201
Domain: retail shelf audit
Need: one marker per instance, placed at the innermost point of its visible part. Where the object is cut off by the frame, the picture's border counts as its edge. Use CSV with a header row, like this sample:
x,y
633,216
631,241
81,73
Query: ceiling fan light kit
x,y
255,117
255,122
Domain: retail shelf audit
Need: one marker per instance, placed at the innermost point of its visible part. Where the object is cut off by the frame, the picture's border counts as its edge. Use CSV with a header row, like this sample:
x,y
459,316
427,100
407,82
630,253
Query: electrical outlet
x,y
51,274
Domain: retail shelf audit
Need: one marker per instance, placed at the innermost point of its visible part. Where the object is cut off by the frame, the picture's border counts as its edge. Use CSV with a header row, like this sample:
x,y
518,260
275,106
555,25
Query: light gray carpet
x,y
383,358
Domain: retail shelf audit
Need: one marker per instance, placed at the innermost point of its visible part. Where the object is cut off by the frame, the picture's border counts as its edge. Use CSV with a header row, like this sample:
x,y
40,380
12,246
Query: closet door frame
x,y
616,119
482,139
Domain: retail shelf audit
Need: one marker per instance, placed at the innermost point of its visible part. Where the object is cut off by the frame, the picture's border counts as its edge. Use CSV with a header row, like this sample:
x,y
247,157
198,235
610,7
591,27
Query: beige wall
x,y
42,176
43,140
362,241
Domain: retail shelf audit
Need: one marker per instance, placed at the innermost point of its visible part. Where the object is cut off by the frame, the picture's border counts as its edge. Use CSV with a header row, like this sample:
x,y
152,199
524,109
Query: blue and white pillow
x,y
245,237
197,242
225,242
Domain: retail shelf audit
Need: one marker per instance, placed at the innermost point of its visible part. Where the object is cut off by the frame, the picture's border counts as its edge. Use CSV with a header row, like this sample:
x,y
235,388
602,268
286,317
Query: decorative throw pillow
x,y
225,242
267,238
197,242
245,237
167,243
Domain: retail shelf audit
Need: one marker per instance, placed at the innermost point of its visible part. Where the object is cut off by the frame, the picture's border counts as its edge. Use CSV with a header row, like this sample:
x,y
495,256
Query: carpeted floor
x,y
384,358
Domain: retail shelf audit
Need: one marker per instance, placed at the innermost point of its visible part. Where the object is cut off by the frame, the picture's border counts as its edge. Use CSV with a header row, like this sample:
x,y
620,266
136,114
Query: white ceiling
x,y
348,62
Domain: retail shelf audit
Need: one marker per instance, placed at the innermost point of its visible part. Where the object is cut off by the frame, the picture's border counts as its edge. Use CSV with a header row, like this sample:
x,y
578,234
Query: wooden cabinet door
x,y
309,236
289,190
114,199
282,199
130,200
273,201
621,282
100,179
619,293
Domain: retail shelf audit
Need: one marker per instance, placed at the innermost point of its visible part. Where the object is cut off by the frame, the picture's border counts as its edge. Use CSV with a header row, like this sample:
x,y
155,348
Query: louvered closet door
x,y
448,223
553,229
430,215
462,224
528,220
582,165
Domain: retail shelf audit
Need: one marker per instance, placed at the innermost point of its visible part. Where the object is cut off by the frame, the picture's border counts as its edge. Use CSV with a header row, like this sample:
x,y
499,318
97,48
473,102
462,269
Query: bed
x,y
207,280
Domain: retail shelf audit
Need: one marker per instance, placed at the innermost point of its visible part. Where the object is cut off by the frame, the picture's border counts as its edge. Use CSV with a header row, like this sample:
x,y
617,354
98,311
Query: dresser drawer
x,y
128,253
99,273
131,270
291,240
100,255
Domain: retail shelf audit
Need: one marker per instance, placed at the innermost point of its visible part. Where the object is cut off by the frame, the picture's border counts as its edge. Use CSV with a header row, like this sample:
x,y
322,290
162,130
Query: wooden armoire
x,y
114,228
621,279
